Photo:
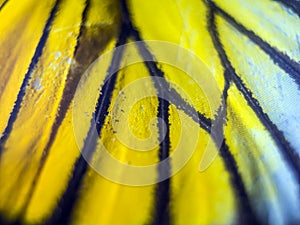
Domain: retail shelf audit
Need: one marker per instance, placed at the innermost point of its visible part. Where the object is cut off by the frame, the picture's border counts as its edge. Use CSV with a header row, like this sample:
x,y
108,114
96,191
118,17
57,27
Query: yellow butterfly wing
x,y
54,84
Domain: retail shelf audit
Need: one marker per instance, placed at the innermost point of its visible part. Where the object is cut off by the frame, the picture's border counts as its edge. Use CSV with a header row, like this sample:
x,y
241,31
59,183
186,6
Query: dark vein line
x,y
34,61
206,125
292,4
3,4
63,211
162,197
162,213
247,215
282,60
163,86
70,86
86,51
217,131
58,120
289,154
105,98
246,211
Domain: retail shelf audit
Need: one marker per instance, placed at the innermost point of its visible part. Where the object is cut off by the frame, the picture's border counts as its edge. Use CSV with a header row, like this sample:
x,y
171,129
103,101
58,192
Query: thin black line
x,y
292,4
82,25
63,211
290,155
70,86
34,61
74,75
217,131
162,213
58,120
282,60
104,100
3,4
162,86
247,213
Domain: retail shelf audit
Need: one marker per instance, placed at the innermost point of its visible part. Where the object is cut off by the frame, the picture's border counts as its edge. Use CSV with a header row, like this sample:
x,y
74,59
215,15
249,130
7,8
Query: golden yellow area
x,y
110,203
55,173
199,197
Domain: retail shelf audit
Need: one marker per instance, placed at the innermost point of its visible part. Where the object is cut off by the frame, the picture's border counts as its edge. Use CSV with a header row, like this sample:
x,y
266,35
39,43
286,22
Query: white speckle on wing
x,y
69,60
57,55
37,84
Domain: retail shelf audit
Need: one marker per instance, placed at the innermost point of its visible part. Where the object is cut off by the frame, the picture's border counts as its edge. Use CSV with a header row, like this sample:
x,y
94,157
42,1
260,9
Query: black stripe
x,y
63,211
289,154
217,131
86,51
161,215
283,61
34,61
104,100
3,4
163,87
247,215
246,210
69,89
292,4
161,209
82,25
58,120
